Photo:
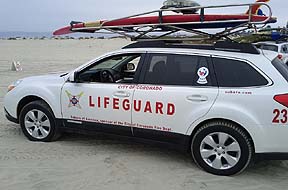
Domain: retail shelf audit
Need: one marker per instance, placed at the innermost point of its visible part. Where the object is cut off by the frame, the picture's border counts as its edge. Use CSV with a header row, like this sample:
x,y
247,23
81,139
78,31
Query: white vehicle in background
x,y
225,103
280,47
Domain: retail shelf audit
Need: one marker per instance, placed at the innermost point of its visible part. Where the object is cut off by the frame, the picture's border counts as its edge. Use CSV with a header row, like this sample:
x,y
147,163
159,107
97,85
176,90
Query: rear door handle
x,y
197,98
121,94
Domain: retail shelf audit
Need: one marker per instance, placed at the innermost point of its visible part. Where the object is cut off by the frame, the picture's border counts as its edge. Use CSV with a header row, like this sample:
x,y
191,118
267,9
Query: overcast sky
x,y
48,15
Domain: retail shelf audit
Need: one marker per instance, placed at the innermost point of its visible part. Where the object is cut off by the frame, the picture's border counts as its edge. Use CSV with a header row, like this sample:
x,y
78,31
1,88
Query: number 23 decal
x,y
281,116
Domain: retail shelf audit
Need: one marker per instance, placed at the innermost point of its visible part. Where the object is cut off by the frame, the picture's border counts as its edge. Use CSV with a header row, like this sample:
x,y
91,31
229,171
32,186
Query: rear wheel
x,y
221,148
38,122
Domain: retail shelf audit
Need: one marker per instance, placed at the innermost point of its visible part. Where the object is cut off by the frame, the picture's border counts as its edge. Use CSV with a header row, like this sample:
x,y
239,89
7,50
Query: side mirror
x,y
130,67
74,77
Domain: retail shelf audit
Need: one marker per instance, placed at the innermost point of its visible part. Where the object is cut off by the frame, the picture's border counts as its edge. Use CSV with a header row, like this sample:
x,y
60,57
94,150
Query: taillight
x,y
282,99
280,56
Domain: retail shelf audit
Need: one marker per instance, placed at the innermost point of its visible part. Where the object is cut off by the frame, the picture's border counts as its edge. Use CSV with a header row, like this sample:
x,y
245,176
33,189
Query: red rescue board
x,y
187,20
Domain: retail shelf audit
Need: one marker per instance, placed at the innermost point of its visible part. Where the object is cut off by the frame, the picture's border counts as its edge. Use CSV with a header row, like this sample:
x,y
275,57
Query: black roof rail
x,y
220,46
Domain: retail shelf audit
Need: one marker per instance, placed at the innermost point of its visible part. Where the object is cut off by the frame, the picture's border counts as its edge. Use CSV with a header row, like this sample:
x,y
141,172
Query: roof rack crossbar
x,y
192,31
230,31
152,38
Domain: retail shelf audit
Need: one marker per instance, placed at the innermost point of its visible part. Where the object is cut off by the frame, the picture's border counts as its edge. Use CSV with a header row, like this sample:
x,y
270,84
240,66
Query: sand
x,y
101,161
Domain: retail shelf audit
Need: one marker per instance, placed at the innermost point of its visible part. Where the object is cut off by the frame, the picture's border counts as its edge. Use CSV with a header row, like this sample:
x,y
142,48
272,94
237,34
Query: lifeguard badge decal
x,y
203,73
74,101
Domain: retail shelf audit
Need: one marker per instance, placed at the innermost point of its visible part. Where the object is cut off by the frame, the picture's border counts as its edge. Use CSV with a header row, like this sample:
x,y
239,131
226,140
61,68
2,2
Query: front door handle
x,y
121,94
197,98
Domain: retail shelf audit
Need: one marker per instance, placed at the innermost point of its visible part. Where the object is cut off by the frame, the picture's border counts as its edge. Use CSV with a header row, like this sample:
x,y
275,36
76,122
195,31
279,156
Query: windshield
x,y
110,63
116,61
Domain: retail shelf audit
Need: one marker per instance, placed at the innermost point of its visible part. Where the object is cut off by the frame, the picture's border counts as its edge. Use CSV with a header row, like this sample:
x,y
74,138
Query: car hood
x,y
49,79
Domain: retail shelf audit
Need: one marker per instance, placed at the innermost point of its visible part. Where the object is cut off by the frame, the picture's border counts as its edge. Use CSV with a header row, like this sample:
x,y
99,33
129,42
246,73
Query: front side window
x,y
233,73
178,69
115,69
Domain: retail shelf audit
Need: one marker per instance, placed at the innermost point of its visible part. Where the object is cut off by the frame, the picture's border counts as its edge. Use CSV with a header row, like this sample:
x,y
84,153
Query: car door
x,y
102,105
174,91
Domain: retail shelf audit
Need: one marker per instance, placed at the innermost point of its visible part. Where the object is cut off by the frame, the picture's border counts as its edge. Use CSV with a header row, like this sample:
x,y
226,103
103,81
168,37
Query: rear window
x,y
269,47
281,67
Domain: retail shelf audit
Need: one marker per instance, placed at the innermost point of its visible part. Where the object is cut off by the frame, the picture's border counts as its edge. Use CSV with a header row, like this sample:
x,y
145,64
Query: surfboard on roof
x,y
190,16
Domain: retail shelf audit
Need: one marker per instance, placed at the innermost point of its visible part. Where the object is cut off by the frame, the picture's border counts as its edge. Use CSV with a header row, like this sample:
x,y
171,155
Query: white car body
x,y
280,48
177,111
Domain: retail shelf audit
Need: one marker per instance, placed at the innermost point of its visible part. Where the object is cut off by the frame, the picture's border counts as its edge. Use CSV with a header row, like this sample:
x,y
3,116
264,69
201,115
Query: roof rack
x,y
220,46
143,32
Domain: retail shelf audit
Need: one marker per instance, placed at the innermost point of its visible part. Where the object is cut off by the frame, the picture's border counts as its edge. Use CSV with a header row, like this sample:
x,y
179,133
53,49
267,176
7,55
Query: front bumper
x,y
10,118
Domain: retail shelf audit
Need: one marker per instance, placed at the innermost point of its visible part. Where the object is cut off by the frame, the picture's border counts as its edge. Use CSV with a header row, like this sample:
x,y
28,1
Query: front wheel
x,y
221,148
38,122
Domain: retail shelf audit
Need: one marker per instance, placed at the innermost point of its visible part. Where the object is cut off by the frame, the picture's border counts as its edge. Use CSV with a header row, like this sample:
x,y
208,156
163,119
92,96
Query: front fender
x,y
43,87
50,98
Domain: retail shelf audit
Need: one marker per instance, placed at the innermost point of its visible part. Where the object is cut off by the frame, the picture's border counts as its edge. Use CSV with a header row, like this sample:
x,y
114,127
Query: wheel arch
x,y
28,99
221,120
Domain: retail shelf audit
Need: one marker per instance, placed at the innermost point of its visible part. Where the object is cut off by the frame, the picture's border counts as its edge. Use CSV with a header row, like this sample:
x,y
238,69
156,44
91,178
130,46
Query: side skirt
x,y
271,156
172,140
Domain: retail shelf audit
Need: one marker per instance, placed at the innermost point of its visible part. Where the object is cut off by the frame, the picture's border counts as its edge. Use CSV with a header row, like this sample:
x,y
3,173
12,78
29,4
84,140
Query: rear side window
x,y
281,67
233,73
164,69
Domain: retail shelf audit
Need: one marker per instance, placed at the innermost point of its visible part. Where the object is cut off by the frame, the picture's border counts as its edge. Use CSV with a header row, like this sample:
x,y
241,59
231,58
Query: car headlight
x,y
14,85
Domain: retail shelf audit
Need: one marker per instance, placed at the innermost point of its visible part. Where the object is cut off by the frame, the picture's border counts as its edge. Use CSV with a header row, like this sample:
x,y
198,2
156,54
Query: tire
x,y
38,122
221,148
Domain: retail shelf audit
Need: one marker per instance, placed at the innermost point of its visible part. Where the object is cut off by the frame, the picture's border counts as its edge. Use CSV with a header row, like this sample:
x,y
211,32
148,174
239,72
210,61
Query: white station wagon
x,y
280,47
225,103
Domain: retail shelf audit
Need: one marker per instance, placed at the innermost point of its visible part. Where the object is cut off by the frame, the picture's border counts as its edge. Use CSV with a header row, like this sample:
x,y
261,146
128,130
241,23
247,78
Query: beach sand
x,y
101,161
